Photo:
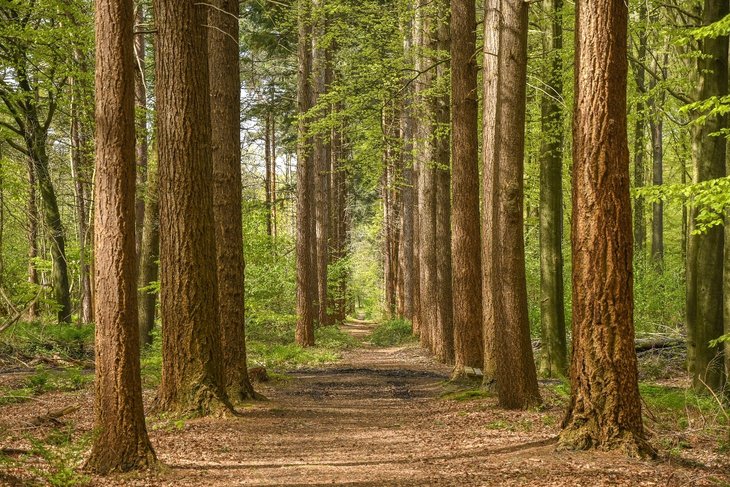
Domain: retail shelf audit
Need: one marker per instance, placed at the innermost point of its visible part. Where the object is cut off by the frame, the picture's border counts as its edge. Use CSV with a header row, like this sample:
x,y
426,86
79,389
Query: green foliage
x,y
53,341
392,332
467,395
63,458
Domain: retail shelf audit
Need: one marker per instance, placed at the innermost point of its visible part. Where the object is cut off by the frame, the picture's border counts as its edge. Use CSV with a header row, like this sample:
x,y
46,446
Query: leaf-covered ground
x,y
380,416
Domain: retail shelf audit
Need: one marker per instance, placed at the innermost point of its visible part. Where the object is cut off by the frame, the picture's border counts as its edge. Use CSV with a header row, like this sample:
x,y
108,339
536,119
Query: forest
x,y
374,242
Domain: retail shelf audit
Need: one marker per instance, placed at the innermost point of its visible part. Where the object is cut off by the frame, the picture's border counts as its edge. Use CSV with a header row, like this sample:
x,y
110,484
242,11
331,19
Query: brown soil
x,y
378,417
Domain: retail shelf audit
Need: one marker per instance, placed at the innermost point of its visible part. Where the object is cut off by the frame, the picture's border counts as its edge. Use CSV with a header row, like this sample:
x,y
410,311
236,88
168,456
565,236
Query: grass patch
x,y
391,333
466,395
36,340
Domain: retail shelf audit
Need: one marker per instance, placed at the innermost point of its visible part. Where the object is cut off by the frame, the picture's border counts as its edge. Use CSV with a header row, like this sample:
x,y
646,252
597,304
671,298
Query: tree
x,y
225,113
605,408
305,182
515,372
640,133
121,443
465,242
149,255
705,249
553,359
192,368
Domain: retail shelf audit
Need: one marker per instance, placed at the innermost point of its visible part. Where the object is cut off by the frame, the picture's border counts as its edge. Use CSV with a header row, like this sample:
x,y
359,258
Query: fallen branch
x,y
53,416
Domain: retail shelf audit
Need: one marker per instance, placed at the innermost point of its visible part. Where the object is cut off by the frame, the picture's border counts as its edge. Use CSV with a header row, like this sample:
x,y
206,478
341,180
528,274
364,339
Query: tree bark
x,y
150,253
120,441
516,376
605,407
192,368
705,250
553,357
305,180
33,219
140,97
639,135
225,115
465,242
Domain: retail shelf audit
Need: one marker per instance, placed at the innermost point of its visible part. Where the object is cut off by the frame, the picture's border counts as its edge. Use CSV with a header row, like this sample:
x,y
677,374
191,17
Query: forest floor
x,y
379,416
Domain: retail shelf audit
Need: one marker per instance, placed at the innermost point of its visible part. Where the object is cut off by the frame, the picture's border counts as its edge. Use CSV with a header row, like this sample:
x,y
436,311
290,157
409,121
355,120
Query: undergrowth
x,y
391,333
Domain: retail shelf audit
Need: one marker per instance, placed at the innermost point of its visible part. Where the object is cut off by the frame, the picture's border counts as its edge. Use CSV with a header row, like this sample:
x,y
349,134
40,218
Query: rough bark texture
x,y
466,239
553,356
192,371
120,441
444,333
705,250
426,183
225,116
605,408
149,255
305,182
516,376
490,119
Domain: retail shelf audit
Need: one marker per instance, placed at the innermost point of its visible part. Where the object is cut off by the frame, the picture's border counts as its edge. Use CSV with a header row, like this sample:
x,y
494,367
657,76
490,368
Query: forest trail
x,y
379,417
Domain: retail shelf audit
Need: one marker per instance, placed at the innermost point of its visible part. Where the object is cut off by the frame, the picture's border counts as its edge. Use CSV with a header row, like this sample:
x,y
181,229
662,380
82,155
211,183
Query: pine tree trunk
x,y
465,242
225,115
705,250
120,441
149,256
605,408
516,376
305,178
192,364
553,357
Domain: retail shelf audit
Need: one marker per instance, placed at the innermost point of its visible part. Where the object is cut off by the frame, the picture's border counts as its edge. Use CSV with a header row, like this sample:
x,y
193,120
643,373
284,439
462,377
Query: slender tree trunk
x,y
657,221
267,181
120,441
516,376
390,201
444,343
150,253
192,365
225,115
639,135
705,250
305,177
605,407
465,242
426,184
140,97
490,148
553,357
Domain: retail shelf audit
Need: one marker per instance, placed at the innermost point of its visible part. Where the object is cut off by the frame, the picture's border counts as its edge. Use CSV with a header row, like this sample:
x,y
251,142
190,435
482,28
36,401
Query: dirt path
x,y
378,418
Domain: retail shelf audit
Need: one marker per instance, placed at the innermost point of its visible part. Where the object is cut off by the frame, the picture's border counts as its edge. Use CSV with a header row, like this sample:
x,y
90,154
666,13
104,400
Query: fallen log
x,y
53,416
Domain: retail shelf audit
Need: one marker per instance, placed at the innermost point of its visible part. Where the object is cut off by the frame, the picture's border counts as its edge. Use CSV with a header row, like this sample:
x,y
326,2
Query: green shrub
x,y
392,332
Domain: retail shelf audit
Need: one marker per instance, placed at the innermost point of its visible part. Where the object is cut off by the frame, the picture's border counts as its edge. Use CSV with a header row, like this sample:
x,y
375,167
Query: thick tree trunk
x,y
192,366
705,250
150,253
120,442
305,178
225,115
465,242
553,357
605,408
516,376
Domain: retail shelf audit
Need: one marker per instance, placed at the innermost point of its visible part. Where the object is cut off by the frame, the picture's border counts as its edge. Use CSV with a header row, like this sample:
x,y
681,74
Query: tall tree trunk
x,y
705,250
465,242
390,202
516,376
149,256
405,243
225,115
426,184
192,366
444,342
605,408
656,128
140,97
639,135
305,179
553,357
267,181
120,443
490,121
